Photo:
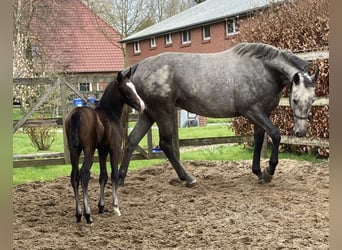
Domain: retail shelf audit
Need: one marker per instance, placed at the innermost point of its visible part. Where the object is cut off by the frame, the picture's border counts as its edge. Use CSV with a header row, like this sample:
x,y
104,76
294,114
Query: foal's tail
x,y
74,126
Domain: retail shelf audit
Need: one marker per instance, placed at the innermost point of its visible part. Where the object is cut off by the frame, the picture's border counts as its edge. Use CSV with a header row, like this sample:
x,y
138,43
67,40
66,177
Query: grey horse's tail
x,y
74,127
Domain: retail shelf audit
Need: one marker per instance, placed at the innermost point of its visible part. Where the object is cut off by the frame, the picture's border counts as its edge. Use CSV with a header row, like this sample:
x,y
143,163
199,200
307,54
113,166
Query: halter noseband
x,y
301,117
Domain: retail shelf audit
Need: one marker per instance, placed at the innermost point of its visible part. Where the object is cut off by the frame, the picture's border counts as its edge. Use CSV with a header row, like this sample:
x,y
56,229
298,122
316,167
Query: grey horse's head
x,y
301,98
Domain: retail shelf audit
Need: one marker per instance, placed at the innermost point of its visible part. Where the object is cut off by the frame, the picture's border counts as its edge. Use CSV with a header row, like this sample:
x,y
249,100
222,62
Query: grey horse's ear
x,y
295,78
314,77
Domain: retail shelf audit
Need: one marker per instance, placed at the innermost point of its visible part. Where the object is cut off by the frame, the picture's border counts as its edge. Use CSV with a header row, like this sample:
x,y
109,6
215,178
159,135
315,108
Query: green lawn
x,y
22,143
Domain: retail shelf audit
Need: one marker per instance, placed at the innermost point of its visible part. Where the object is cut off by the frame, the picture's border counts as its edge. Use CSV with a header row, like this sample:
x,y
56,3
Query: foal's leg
x,y
143,124
259,134
166,132
114,161
103,177
260,119
75,180
85,177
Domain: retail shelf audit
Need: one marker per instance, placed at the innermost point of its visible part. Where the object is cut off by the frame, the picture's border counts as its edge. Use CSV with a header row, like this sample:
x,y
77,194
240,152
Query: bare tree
x,y
126,16
25,14
163,9
129,16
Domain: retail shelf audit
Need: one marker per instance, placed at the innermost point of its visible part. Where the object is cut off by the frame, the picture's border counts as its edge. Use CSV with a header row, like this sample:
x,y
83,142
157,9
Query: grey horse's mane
x,y
268,52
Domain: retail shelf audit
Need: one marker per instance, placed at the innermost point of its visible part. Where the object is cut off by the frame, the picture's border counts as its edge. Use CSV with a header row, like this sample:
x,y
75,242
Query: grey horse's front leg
x,y
259,134
269,171
262,120
166,133
143,124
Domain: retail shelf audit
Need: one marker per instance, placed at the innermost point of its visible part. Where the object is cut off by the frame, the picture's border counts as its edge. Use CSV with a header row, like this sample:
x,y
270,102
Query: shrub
x,y
41,137
297,26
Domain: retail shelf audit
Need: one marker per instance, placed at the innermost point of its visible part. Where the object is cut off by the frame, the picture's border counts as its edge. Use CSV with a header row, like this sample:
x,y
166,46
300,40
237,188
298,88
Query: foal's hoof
x,y
191,182
88,219
78,218
266,176
101,209
117,211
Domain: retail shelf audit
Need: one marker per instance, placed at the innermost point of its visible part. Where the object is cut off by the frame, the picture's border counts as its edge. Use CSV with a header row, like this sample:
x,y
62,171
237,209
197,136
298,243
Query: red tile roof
x,y
71,38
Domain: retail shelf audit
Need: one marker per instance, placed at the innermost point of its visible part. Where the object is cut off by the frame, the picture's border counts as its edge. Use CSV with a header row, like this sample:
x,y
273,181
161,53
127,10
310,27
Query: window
x,y
137,47
85,87
153,42
35,49
168,39
186,37
206,32
232,26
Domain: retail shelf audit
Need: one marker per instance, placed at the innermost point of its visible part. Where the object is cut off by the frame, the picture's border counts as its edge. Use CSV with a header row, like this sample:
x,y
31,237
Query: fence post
x,y
264,147
64,107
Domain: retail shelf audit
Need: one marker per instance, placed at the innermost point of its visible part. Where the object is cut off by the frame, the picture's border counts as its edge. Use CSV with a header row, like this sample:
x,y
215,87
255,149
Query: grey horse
x,y
245,80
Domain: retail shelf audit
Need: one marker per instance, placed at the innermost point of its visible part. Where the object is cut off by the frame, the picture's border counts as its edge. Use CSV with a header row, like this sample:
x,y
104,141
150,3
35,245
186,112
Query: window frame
x,y
234,24
153,42
168,39
204,31
188,37
136,47
85,87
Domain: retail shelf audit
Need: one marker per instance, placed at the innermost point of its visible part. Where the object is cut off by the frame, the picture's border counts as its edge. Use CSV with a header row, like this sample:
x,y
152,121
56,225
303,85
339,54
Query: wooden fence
x,y
68,82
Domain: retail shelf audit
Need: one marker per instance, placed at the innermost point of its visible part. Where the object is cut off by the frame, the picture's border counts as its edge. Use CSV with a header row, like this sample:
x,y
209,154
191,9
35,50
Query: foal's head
x,y
129,93
301,98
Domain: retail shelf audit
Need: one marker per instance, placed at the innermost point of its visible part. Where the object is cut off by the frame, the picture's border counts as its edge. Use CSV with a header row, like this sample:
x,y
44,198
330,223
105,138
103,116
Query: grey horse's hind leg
x,y
143,124
166,131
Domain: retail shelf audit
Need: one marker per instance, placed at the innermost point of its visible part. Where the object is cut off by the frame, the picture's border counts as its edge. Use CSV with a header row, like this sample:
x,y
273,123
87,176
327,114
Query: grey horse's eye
x,y
295,101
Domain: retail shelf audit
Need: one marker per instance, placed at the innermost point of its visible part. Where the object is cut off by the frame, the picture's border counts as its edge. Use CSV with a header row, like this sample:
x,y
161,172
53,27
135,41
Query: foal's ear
x,y
119,76
128,74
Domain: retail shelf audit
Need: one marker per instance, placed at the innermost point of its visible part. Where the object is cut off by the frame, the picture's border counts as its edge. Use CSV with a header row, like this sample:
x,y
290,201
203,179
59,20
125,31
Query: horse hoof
x,y
121,182
78,219
266,176
261,180
117,211
191,182
101,209
88,218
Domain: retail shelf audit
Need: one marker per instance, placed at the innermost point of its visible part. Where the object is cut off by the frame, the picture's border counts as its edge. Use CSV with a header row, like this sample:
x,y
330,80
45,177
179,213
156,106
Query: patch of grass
x,y
238,153
218,120
22,143
221,152
50,173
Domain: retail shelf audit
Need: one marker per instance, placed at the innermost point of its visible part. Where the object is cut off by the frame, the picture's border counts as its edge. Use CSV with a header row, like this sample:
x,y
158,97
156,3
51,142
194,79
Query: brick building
x,y
206,28
68,37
